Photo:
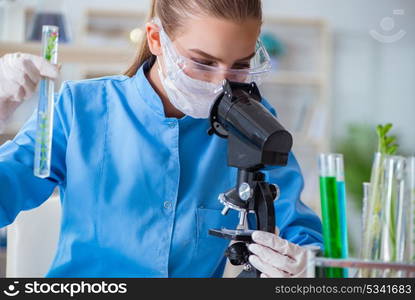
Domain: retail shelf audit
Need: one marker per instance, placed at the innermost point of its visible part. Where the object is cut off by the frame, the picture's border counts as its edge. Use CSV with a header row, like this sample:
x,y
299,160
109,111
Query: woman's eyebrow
x,y
206,55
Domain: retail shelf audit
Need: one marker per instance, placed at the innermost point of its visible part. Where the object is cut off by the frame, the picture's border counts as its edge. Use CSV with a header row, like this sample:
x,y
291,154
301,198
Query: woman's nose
x,y
221,75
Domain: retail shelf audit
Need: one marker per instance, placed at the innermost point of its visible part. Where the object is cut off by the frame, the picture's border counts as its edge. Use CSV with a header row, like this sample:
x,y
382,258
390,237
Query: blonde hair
x,y
172,12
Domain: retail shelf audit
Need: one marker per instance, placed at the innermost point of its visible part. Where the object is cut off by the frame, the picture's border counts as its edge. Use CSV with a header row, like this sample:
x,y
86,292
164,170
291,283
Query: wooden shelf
x,y
295,21
294,78
104,13
76,53
90,55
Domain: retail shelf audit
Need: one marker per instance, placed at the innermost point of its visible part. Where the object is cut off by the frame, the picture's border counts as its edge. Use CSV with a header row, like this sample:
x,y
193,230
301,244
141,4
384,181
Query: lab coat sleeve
x,y
19,188
296,221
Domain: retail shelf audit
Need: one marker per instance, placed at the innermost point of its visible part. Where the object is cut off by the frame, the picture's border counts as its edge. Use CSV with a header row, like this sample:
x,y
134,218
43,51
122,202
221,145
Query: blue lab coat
x,y
139,191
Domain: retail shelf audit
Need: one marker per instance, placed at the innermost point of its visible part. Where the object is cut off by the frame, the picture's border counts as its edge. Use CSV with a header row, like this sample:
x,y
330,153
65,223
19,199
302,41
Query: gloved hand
x,y
277,257
19,75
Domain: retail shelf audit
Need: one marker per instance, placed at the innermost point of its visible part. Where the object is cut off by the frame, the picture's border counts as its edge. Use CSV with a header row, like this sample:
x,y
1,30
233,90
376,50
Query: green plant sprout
x,y
386,143
51,45
43,139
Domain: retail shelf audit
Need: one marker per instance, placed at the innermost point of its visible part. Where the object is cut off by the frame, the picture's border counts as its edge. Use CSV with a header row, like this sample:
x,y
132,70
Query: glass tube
x,y
44,132
365,204
401,206
411,209
392,211
392,239
366,190
372,232
341,190
333,208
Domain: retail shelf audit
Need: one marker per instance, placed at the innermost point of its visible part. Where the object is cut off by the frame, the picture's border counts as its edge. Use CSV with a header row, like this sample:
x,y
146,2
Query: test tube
x,y
366,187
341,190
373,208
365,204
392,214
411,211
44,131
400,214
333,209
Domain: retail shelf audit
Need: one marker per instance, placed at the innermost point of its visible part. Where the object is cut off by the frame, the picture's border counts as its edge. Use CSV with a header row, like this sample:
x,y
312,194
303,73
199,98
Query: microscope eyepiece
x,y
256,138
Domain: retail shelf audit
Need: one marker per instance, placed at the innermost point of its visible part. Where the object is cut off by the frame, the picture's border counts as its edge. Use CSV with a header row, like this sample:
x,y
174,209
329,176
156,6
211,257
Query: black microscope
x,y
255,139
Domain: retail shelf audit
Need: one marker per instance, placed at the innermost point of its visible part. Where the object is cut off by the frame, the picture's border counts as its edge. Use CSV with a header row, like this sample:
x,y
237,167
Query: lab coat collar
x,y
146,91
150,96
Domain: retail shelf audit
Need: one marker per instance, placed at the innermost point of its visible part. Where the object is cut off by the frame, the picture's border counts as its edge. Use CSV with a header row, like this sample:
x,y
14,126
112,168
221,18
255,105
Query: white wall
x,y
372,82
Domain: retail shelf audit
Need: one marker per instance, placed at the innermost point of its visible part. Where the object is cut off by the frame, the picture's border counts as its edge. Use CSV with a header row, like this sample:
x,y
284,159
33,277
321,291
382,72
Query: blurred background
x,y
339,69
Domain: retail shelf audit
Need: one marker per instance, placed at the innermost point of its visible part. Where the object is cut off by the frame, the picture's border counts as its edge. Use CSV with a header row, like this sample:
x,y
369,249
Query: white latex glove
x,y
276,257
19,75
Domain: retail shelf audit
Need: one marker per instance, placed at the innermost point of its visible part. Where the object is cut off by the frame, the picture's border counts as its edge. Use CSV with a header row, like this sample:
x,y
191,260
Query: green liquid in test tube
x,y
44,131
333,209
341,192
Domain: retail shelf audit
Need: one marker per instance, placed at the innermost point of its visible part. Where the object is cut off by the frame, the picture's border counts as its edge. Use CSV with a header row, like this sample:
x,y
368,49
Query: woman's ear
x,y
153,38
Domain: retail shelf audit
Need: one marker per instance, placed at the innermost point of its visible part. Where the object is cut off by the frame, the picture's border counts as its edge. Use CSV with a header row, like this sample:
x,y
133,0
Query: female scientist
x,y
138,175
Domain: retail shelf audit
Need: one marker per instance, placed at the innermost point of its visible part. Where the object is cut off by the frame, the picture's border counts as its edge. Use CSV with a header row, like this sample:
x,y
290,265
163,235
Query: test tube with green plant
x,y
44,131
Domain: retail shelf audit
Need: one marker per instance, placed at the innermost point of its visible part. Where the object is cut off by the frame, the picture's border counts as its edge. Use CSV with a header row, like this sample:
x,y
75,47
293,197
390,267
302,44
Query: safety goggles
x,y
256,70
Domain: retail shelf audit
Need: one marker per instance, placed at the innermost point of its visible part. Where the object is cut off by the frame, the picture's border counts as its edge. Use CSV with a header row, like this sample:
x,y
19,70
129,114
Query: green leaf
x,y
386,128
390,140
386,144
379,130
392,150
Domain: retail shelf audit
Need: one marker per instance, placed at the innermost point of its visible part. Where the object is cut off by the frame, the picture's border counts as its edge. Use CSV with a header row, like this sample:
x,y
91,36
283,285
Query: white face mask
x,y
191,96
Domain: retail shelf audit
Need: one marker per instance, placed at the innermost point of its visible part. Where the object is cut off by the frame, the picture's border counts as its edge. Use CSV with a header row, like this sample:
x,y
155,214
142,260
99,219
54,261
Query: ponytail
x,y
143,49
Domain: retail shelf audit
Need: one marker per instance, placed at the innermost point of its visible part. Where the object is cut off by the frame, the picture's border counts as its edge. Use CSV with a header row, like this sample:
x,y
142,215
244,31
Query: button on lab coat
x,y
138,190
